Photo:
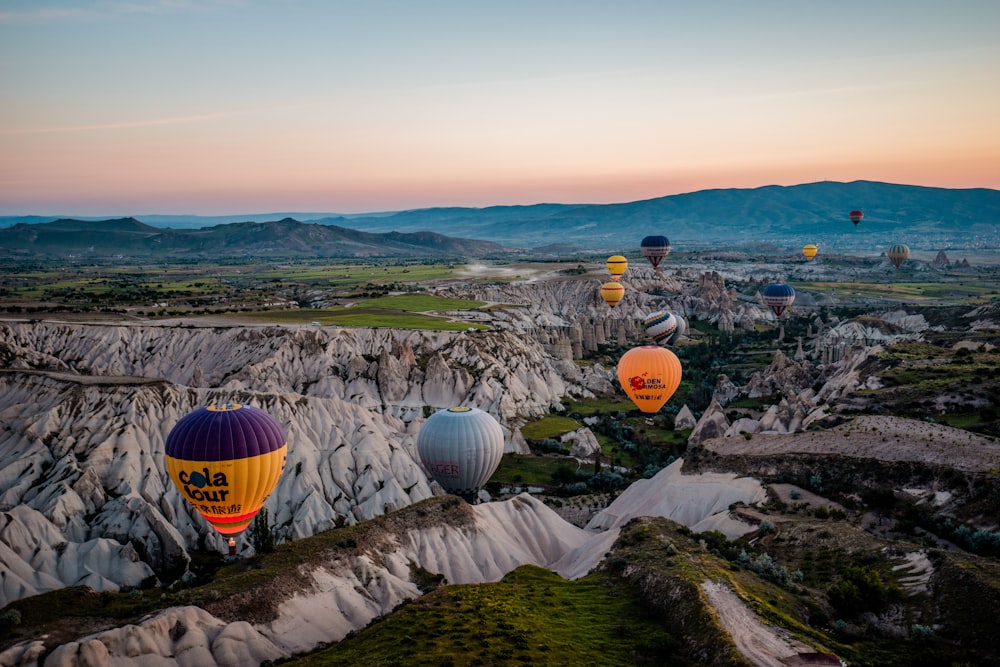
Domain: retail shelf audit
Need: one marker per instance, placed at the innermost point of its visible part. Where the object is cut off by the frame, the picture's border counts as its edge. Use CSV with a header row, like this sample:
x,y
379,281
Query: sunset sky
x,y
235,106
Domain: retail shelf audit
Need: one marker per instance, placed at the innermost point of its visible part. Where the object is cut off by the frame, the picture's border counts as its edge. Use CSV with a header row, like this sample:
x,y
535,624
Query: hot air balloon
x,y
612,292
660,325
856,216
655,248
682,327
649,375
460,448
616,266
225,460
778,297
809,251
897,254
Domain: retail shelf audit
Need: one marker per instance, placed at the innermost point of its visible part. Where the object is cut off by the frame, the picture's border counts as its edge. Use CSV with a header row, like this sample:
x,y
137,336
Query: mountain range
x,y
784,216
129,237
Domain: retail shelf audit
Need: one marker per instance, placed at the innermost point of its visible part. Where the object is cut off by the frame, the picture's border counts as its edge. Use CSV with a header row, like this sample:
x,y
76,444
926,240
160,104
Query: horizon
x,y
265,215
160,106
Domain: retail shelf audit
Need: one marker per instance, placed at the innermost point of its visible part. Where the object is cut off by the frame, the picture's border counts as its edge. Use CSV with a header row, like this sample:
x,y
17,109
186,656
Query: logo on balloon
x,y
640,382
199,480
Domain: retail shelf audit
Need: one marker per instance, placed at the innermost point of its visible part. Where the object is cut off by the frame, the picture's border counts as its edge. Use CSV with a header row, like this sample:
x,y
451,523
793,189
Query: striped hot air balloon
x,y
778,297
810,251
660,326
225,460
897,254
649,375
617,264
461,449
612,292
655,248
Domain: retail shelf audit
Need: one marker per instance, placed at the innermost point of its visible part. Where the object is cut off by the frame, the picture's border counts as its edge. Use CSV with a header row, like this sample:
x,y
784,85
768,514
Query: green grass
x,y
532,616
603,405
915,292
549,426
419,303
362,317
529,469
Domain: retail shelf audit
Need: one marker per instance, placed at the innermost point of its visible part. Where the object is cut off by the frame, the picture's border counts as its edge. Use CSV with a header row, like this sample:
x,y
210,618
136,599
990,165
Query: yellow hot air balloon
x,y
810,251
616,266
225,460
650,375
612,292
897,254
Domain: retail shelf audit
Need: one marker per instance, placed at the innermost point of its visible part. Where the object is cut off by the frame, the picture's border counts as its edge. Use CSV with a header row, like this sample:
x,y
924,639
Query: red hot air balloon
x,y
856,215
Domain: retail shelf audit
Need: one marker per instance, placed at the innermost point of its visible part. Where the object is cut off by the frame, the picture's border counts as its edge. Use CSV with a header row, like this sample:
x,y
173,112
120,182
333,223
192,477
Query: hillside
x,y
130,238
783,215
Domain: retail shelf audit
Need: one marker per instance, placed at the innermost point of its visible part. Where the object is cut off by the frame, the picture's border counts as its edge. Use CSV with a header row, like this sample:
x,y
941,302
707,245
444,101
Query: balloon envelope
x,y
778,297
225,460
809,251
682,327
612,292
460,448
897,254
856,215
660,325
617,265
655,248
649,375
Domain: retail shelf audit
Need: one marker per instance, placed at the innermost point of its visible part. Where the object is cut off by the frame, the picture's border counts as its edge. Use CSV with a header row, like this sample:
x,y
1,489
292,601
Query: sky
x,y
217,107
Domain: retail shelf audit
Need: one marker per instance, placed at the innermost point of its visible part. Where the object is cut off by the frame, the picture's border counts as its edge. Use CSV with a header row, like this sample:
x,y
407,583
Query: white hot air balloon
x,y
460,448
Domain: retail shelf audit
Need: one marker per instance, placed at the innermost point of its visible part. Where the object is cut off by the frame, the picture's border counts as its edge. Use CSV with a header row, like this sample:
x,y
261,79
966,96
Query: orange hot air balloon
x,y
617,264
225,460
612,292
650,375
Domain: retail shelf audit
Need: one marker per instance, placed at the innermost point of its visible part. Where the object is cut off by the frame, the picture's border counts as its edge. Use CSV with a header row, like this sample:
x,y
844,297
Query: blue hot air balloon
x,y
655,248
461,449
778,297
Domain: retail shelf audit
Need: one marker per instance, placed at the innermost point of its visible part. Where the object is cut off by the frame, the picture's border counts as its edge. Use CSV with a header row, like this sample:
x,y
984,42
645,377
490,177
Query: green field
x,y
915,292
531,617
420,303
549,426
363,317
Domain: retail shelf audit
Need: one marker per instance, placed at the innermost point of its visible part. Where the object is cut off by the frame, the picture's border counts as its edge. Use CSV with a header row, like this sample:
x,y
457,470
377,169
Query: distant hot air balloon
x,y
856,215
660,325
612,292
778,297
682,327
655,248
897,254
225,460
616,266
809,251
649,375
461,449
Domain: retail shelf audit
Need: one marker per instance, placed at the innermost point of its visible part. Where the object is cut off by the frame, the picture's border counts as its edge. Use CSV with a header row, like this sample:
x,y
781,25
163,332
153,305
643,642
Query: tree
x,y
261,533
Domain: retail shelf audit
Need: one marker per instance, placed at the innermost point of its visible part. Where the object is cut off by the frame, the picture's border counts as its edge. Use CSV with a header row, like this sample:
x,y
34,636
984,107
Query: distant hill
x,y
784,216
128,237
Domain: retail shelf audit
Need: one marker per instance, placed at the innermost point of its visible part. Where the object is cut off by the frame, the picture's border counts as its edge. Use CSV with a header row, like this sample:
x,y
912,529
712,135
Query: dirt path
x,y
763,645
